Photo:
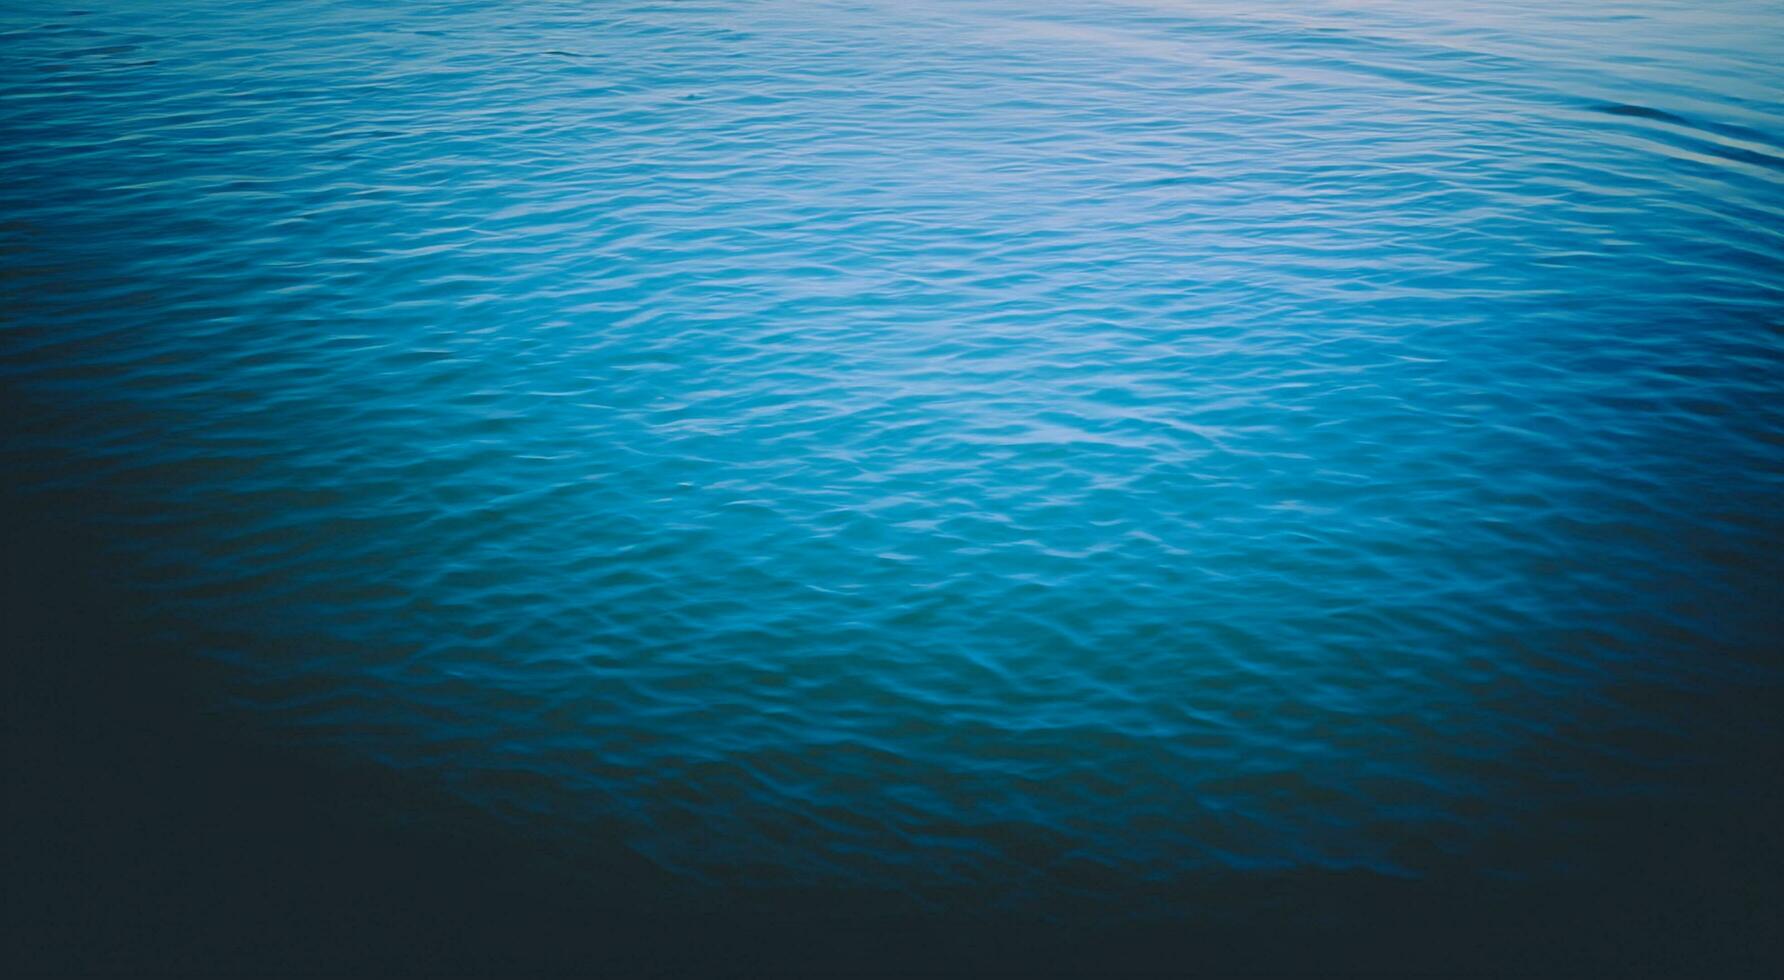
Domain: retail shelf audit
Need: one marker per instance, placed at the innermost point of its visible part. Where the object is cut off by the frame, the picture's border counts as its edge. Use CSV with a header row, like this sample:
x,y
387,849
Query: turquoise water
x,y
1010,455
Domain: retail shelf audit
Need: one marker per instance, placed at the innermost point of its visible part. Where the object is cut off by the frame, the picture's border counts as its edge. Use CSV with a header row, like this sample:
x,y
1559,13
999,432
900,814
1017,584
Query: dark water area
x,y
147,832
715,488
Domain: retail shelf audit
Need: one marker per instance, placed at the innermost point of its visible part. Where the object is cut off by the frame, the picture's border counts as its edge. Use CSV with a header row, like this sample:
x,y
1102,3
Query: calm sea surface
x,y
1007,454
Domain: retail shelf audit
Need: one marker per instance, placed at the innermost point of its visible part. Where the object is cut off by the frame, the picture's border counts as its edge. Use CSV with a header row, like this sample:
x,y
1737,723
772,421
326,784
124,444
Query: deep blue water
x,y
1010,455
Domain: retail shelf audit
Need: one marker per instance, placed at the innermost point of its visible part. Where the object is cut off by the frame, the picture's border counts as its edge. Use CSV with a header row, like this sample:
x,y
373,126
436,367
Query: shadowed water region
x,y
722,486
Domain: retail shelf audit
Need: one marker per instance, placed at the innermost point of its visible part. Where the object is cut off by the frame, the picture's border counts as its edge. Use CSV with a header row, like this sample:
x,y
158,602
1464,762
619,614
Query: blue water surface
x,y
996,449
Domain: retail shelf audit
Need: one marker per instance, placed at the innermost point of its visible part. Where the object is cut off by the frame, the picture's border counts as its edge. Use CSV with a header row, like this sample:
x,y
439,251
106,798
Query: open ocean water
x,y
905,485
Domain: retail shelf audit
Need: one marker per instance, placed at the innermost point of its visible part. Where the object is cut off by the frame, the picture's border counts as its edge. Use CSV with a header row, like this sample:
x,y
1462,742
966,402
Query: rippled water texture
x,y
988,448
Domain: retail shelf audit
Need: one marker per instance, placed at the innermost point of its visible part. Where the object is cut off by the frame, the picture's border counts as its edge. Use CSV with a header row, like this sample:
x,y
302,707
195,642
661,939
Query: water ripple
x,y
928,445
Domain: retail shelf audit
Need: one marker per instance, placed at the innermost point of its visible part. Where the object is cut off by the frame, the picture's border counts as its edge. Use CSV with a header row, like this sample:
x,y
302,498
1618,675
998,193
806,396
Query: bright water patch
x,y
1027,447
